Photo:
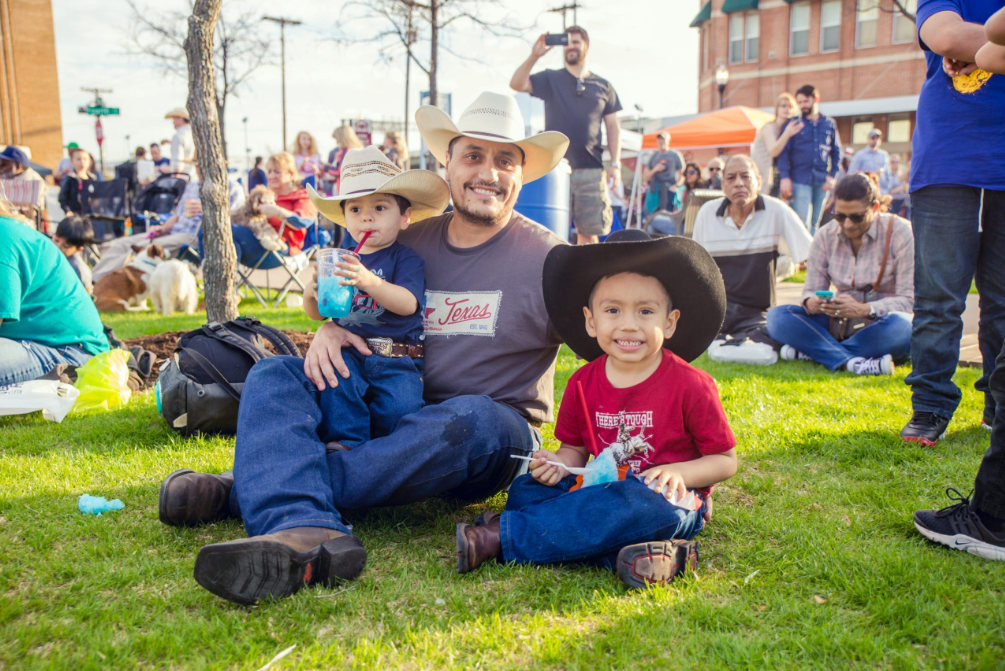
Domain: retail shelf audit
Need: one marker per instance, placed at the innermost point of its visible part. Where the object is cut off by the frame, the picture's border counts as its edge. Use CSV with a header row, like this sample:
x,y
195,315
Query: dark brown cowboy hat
x,y
688,272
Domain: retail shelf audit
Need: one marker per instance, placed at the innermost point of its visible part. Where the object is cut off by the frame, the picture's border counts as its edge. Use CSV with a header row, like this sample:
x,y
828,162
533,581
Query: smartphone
x,y
556,39
826,295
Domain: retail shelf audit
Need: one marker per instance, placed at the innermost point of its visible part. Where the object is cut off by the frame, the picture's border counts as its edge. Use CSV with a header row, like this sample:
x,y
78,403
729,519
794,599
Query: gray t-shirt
x,y
82,269
674,161
486,329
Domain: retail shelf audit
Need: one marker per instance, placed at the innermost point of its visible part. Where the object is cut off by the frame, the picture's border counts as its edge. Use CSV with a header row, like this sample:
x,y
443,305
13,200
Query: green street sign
x,y
102,111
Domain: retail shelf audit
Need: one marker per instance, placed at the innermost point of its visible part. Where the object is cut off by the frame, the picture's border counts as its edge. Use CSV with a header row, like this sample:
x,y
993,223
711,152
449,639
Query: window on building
x,y
860,130
899,129
830,25
753,35
903,27
799,29
736,37
866,20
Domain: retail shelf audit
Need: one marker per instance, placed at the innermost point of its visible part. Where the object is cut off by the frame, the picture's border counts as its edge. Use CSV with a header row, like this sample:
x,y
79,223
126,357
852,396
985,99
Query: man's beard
x,y
476,218
572,57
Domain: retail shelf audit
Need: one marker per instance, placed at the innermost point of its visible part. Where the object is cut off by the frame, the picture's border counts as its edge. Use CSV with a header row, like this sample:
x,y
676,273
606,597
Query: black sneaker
x,y
926,428
959,528
656,563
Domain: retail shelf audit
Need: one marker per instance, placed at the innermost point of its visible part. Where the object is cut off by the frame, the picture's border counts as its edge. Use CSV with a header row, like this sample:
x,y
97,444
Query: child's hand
x,y
665,476
356,274
312,286
546,469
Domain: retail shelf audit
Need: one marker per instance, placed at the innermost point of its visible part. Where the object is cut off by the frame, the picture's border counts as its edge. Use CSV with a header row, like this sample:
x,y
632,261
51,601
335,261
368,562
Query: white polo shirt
x,y
746,254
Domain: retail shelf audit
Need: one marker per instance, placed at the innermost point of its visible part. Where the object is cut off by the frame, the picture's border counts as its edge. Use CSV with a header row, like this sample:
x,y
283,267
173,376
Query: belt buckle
x,y
380,346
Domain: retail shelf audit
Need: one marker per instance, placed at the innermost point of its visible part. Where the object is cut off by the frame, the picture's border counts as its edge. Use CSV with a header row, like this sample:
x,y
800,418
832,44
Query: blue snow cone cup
x,y
334,299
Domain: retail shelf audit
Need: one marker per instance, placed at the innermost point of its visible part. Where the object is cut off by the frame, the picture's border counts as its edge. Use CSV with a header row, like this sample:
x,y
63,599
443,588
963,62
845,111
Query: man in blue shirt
x,y
810,159
958,210
871,158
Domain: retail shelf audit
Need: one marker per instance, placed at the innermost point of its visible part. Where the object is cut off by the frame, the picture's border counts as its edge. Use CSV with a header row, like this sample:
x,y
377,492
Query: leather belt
x,y
387,348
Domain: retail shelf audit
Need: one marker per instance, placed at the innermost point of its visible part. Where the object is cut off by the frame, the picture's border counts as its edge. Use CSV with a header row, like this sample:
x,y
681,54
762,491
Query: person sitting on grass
x,y
868,255
391,283
650,306
46,317
72,235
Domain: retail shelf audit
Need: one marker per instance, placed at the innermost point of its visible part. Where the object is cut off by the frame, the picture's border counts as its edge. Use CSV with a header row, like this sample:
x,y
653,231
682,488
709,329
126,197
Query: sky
x,y
643,47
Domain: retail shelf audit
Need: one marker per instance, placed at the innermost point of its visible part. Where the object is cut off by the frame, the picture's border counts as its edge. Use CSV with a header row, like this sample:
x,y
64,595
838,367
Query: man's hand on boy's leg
x,y
665,475
325,354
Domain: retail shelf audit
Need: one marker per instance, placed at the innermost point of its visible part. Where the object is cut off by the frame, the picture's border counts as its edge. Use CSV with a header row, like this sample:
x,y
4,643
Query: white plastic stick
x,y
572,469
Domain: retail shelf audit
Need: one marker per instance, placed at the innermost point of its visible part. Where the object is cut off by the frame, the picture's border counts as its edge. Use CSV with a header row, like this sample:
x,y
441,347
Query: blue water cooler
x,y
546,200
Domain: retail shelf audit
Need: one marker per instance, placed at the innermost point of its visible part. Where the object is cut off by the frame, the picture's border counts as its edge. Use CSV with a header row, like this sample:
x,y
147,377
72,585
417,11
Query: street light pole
x,y
282,59
409,39
721,78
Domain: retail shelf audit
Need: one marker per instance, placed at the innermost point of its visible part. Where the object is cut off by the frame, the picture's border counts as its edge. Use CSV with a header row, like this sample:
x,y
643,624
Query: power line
x,y
567,8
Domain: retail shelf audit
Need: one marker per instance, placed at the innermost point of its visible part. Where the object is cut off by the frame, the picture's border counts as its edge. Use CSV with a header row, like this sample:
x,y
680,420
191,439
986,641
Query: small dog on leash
x,y
127,288
250,216
173,288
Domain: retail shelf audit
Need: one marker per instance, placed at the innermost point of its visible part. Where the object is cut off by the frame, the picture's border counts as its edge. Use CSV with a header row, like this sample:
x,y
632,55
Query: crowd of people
x,y
445,362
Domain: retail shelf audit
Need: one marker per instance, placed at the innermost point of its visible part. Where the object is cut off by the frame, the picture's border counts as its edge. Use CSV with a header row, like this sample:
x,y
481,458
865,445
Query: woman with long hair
x,y
395,149
345,139
771,139
307,156
868,255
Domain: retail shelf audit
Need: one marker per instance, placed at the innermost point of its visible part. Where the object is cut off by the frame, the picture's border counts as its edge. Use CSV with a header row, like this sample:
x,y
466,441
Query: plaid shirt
x,y
832,261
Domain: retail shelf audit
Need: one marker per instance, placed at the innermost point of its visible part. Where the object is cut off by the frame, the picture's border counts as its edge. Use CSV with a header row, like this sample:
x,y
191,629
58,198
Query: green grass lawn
x,y
811,561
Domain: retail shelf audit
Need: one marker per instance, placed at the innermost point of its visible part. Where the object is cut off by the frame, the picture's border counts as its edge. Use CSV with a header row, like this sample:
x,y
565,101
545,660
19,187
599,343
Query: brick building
x,y
860,54
29,87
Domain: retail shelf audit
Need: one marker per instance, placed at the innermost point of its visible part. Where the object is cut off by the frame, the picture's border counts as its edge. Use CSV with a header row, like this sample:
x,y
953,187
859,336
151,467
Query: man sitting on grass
x,y
650,306
489,356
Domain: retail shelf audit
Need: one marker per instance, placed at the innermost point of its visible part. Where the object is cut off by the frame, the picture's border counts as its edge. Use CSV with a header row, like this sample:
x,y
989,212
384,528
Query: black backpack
x,y
199,389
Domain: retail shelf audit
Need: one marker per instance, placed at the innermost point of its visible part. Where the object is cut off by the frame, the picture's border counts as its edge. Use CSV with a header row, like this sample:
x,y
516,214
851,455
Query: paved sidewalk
x,y
788,293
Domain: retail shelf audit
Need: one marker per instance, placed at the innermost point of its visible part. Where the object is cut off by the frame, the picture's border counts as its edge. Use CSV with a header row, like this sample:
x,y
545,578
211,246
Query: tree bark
x,y
220,263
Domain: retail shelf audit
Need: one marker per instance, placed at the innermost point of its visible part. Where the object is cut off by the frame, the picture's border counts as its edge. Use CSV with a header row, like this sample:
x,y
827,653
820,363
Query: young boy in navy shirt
x,y
376,202
638,310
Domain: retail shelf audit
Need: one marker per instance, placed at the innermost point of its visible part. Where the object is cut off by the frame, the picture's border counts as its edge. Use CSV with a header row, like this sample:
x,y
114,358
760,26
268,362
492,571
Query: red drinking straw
x,y
586,416
362,242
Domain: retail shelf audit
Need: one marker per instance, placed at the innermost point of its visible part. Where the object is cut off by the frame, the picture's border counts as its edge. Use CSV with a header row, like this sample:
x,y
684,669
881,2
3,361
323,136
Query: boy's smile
x,y
630,317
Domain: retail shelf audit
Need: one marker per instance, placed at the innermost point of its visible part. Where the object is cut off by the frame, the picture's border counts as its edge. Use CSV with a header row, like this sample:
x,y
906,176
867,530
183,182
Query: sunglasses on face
x,y
857,218
691,172
713,169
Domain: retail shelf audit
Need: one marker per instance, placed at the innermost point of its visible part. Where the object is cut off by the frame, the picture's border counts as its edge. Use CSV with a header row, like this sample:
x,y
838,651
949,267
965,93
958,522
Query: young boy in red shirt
x,y
650,307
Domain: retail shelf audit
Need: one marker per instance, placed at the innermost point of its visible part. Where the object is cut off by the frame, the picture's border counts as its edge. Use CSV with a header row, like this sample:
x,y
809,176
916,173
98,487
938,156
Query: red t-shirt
x,y
295,201
672,416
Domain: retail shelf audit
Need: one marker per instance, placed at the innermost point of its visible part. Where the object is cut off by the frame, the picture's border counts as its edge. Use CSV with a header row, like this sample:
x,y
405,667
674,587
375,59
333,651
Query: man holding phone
x,y
575,102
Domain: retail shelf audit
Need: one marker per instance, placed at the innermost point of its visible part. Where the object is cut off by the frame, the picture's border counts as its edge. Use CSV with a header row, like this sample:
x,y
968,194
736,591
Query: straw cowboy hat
x,y
366,171
494,117
688,272
177,112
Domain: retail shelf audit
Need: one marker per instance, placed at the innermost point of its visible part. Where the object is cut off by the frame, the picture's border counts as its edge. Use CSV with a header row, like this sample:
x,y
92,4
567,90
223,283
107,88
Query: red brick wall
x,y
885,70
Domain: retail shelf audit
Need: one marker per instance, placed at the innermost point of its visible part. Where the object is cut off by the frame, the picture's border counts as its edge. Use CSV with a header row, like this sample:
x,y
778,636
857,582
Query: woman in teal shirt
x,y
46,316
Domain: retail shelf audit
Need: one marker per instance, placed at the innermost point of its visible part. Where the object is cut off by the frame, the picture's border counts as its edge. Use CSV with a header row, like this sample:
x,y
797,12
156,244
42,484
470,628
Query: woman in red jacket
x,y
293,206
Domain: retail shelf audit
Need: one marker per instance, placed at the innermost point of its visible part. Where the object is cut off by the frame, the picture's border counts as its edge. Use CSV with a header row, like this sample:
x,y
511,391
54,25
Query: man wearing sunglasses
x,y
714,174
575,102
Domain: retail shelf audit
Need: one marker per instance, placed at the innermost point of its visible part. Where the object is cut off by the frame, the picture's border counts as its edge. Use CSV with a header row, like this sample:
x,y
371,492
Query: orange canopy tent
x,y
728,127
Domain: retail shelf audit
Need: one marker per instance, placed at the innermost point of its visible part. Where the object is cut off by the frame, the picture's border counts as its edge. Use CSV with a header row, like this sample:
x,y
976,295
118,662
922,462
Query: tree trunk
x,y
221,111
220,265
434,41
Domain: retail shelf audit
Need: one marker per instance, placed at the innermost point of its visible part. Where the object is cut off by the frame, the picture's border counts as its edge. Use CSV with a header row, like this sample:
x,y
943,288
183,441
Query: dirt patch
x,y
163,344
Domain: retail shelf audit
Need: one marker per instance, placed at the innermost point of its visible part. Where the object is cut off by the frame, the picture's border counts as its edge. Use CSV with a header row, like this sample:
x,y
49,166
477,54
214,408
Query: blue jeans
x,y
549,525
378,393
810,334
23,360
949,252
808,203
248,248
285,477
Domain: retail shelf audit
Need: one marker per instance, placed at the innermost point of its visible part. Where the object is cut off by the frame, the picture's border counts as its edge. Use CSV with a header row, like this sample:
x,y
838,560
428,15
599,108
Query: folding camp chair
x,y
28,197
315,238
686,217
106,207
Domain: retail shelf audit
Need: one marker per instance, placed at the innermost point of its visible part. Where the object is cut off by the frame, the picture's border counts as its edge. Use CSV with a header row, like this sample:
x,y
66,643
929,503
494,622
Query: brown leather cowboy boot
x,y
476,544
279,564
189,498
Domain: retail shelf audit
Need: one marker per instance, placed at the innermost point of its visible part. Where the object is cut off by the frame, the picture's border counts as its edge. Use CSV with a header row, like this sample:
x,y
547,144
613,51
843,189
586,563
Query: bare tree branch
x,y
239,48
899,7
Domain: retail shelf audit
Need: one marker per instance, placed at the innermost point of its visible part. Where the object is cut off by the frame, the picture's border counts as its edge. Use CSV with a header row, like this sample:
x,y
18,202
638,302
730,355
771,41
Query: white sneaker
x,y
790,353
862,366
